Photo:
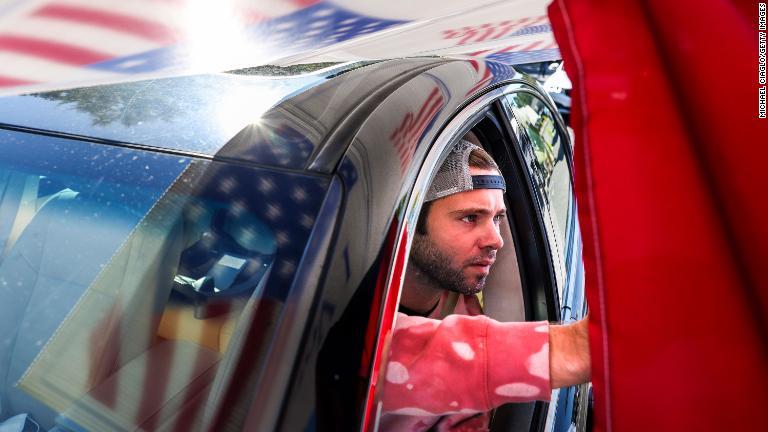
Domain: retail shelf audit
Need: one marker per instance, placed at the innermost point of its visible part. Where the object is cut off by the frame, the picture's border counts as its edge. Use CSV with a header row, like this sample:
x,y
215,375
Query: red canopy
x,y
671,172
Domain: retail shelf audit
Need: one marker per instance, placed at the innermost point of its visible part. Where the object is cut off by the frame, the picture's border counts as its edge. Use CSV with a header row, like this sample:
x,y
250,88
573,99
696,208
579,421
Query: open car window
x,y
130,279
502,297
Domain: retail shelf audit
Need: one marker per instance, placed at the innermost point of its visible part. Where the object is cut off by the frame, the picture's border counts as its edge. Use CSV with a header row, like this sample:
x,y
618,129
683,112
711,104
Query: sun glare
x,y
217,36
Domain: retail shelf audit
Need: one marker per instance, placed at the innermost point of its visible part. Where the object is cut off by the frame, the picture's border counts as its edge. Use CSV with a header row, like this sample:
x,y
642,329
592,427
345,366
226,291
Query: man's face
x,y
462,238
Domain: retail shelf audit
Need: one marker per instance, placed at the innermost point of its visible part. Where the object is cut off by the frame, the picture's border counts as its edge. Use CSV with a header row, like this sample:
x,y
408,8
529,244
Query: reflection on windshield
x,y
128,280
193,113
134,103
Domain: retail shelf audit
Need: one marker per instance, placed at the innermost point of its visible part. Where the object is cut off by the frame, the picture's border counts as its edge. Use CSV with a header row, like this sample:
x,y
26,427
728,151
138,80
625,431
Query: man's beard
x,y
436,265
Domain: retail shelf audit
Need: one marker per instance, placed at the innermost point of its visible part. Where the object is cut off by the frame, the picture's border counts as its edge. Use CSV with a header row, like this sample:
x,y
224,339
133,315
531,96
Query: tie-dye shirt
x,y
447,374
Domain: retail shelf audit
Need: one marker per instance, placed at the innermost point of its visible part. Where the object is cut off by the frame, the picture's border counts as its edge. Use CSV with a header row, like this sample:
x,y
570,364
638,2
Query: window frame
x,y
487,105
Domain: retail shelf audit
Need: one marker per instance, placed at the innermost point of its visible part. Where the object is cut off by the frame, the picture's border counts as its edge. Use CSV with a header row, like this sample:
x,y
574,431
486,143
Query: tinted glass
x,y
544,151
128,279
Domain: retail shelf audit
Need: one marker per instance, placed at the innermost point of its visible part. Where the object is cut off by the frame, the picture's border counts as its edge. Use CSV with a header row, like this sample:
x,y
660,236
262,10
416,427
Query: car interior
x,y
151,303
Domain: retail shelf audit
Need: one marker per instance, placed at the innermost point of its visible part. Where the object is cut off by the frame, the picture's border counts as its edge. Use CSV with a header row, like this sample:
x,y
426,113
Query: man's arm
x,y
569,361
465,364
476,363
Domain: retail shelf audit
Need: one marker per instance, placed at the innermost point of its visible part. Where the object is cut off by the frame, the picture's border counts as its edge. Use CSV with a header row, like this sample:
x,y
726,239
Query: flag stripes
x,y
50,50
144,28
406,135
493,31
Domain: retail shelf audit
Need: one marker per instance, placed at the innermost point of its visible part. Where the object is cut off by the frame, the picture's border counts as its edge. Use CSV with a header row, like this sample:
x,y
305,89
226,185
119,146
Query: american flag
x,y
87,41
132,372
63,38
310,28
54,44
491,64
498,30
524,40
537,51
489,72
413,125
349,173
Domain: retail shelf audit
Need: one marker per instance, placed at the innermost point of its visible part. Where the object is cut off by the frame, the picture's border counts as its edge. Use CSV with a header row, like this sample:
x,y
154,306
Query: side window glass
x,y
545,154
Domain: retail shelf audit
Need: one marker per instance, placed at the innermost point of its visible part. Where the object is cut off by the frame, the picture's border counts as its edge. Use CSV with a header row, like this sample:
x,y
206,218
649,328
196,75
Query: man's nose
x,y
492,237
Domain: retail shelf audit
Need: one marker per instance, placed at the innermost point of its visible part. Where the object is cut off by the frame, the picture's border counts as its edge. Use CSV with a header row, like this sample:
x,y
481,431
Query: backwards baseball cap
x,y
454,177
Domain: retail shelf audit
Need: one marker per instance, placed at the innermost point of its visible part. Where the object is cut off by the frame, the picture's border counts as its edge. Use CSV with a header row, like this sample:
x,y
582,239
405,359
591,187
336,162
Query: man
x,y
447,374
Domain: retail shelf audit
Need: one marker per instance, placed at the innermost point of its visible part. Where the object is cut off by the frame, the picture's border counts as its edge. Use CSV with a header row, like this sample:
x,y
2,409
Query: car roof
x,y
195,114
243,115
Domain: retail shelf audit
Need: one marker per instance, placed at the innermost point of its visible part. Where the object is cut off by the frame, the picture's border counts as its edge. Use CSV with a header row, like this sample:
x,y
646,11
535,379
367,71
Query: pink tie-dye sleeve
x,y
464,364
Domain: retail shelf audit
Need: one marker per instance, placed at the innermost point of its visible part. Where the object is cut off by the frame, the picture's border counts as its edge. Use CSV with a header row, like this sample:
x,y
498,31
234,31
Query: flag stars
x,y
322,13
129,64
237,208
278,37
284,26
367,30
282,238
195,211
287,268
320,23
273,211
249,235
227,185
266,185
306,221
299,194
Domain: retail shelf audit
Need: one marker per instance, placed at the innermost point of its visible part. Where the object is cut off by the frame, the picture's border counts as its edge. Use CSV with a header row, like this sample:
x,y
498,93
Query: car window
x,y
545,153
544,149
129,278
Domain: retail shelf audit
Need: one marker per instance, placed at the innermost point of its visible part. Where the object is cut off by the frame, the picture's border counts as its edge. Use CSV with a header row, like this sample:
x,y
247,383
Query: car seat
x,y
21,197
83,291
40,280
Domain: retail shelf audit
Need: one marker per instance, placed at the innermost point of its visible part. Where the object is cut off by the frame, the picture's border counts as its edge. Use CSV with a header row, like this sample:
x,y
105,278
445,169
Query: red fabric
x,y
465,364
443,372
670,176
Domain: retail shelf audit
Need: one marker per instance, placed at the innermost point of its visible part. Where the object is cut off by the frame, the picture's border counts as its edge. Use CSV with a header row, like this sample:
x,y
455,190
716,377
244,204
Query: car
x,y
225,251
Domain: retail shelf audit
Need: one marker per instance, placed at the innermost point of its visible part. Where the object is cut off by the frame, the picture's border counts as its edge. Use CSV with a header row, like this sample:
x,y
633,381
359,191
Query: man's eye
x,y
470,218
497,219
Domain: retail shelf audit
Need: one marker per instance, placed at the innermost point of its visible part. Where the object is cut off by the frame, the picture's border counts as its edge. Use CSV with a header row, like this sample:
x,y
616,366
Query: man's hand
x,y
569,362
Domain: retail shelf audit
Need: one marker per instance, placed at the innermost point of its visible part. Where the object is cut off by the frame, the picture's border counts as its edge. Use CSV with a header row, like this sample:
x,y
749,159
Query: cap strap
x,y
488,182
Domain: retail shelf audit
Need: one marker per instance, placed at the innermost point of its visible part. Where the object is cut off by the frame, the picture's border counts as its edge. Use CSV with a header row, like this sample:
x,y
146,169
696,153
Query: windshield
x,y
128,279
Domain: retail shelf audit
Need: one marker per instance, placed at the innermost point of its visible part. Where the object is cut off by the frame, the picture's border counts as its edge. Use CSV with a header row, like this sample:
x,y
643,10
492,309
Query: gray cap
x,y
453,176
